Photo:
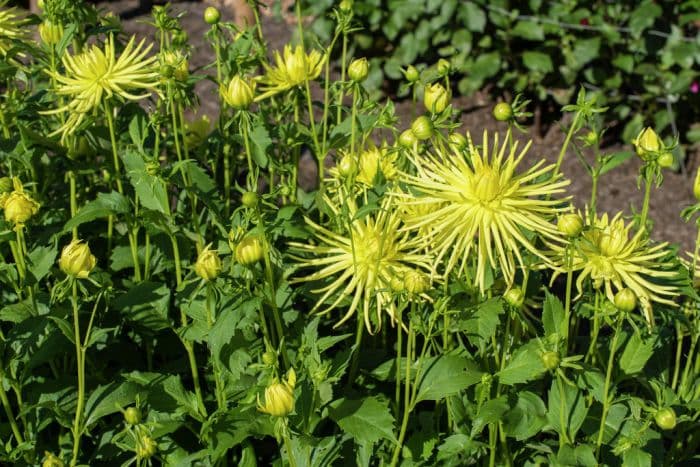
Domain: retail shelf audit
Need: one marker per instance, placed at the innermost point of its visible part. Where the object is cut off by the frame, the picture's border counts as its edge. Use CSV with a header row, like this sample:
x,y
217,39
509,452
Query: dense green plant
x,y
171,294
639,58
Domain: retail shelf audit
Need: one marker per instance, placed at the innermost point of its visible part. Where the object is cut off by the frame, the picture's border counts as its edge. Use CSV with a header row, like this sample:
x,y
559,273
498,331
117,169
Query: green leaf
x,y
105,205
106,400
40,261
446,375
149,188
525,365
615,160
553,315
573,405
146,304
528,30
635,457
17,312
490,411
636,354
528,416
643,17
482,324
367,420
473,16
261,141
538,62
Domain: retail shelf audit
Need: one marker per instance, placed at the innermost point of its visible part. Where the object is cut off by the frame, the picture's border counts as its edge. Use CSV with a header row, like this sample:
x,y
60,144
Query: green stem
x,y
679,352
596,329
645,204
80,358
341,94
356,351
410,342
8,411
606,389
567,299
73,201
569,135
353,117
594,195
288,447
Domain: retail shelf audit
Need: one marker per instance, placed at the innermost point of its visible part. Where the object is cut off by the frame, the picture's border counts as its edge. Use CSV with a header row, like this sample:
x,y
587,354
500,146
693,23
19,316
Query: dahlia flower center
x,y
487,186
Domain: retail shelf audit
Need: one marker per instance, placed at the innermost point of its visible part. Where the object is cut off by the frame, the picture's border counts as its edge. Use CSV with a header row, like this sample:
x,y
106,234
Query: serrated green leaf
x,y
105,205
367,420
538,62
525,365
149,188
446,375
636,354
553,315
105,400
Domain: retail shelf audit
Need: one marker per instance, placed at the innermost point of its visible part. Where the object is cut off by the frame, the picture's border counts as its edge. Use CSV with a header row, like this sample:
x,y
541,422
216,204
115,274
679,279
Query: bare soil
x,y
617,189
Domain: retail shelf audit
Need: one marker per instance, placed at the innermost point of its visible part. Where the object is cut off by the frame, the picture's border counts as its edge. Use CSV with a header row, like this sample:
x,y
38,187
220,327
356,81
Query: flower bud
x,y
132,416
239,94
436,98
625,300
647,143
211,15
19,207
77,260
174,65
550,360
269,358
346,5
146,447
412,75
407,139
358,70
279,399
422,128
665,418
415,282
457,141
50,33
514,297
208,265
503,112
249,199
570,224
443,67
347,166
696,185
249,250
665,160
51,460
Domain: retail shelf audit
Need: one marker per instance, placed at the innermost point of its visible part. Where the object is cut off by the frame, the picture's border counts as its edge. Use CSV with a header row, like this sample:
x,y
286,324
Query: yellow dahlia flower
x,y
606,253
96,75
12,28
480,203
373,160
293,68
363,264
279,396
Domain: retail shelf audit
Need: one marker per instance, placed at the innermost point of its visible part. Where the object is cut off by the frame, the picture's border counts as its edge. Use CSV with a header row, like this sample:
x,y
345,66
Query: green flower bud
x,y
590,138
457,141
407,139
665,418
249,199
665,160
346,5
412,75
132,416
647,143
443,67
211,15
269,358
77,260
514,297
50,33
358,70
249,250
625,300
51,460
347,166
208,265
570,224
503,112
239,94
279,396
436,98
422,128
550,360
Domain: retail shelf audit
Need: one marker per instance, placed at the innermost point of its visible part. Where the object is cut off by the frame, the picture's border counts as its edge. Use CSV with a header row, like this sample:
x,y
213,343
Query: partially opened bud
x,y
19,207
279,399
51,460
249,250
239,94
443,67
146,447
647,143
208,265
77,260
50,33
358,70
436,98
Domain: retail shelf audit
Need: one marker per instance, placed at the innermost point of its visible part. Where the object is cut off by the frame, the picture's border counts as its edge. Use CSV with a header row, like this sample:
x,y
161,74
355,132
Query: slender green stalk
x,y
288,447
80,358
594,194
645,204
596,329
356,351
343,61
410,343
567,299
569,135
8,411
606,389
73,201
353,117
679,352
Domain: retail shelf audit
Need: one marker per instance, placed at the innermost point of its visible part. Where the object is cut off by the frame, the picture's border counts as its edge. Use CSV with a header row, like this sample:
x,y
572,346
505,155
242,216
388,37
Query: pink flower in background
x,y
694,87
584,22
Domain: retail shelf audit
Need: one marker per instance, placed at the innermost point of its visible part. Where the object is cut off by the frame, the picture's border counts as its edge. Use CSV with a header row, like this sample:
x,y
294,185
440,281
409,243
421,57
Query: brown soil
x,y
617,189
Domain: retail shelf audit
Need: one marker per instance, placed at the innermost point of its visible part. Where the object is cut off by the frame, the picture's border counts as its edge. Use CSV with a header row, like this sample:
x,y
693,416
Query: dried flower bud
x,y
77,260
208,265
239,94
422,128
249,250
436,98
358,70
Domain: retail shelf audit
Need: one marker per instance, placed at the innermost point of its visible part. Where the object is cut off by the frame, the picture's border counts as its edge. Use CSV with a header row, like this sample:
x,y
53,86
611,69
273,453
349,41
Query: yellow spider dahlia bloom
x,y
363,264
479,202
98,74
12,28
606,253
291,69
